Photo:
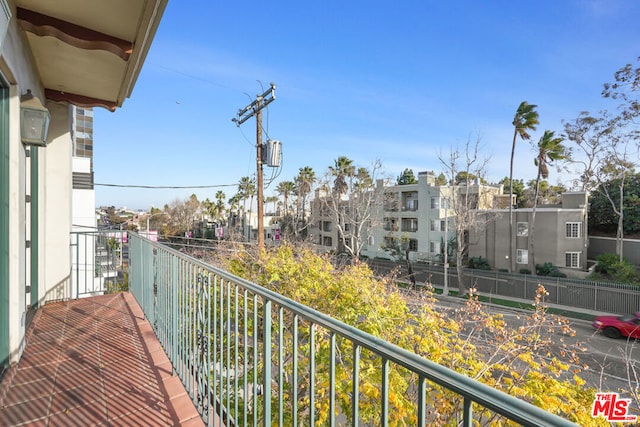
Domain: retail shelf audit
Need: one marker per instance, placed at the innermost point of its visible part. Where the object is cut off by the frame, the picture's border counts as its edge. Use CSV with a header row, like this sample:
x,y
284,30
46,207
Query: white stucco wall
x,y
54,192
17,237
55,184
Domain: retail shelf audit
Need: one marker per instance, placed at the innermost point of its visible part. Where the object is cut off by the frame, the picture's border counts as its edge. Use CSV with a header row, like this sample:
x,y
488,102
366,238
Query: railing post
x,y
422,402
467,413
355,403
266,387
385,393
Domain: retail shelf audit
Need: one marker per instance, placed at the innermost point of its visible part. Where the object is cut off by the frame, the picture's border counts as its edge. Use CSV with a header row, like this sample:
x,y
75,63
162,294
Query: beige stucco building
x,y
82,52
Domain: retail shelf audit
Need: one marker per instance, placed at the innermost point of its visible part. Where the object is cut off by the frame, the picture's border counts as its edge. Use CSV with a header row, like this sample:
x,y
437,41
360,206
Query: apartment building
x,y
423,216
419,215
560,236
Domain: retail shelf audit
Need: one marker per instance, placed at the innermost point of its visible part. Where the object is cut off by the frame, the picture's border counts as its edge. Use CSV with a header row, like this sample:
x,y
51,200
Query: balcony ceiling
x,y
89,52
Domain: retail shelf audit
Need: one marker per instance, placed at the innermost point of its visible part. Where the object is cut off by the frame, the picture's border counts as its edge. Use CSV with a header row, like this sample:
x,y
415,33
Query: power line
x,y
164,187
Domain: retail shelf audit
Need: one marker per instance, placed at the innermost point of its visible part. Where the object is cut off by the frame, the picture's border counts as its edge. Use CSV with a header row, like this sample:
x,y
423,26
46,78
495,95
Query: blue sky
x,y
401,82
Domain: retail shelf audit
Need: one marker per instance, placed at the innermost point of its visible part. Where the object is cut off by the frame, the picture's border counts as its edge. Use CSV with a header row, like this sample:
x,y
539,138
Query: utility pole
x,y
255,109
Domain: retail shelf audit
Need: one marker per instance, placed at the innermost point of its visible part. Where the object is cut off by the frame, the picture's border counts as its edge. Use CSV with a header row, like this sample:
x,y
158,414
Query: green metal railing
x,y
248,356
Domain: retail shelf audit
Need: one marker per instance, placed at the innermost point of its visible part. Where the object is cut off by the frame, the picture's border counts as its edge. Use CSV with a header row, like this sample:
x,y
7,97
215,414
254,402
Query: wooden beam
x,y
79,100
72,34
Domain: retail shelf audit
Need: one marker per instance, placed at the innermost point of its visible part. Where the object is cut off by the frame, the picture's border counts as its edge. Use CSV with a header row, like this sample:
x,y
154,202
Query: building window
x,y
438,224
411,205
434,247
413,245
435,203
410,224
327,241
522,256
574,229
523,229
572,259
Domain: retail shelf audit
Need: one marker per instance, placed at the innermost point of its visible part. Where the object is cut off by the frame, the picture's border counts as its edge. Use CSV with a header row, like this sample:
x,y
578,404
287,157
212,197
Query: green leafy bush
x,y
479,263
610,267
606,263
548,269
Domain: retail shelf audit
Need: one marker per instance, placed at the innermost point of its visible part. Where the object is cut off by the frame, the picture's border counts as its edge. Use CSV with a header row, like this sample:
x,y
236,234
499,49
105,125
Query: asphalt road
x,y
608,359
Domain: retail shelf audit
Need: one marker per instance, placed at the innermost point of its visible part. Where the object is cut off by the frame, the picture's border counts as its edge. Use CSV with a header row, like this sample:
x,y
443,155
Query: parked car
x,y
619,326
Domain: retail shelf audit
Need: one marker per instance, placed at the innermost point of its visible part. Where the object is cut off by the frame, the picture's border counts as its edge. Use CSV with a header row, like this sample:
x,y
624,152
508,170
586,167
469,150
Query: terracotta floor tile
x,y
44,357
93,362
24,412
183,407
87,415
151,416
34,390
73,398
132,401
35,373
69,380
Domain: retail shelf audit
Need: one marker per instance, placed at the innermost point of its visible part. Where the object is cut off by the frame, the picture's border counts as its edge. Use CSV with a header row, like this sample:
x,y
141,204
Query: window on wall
x,y
411,205
574,229
434,247
413,245
410,224
438,225
572,259
435,203
522,229
522,256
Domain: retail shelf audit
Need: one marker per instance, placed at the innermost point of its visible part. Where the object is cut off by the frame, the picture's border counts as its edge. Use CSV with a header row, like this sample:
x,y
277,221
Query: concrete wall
x,y
607,245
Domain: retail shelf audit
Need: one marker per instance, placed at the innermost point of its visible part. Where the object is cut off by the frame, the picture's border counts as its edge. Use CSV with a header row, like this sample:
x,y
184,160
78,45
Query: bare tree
x,y
182,213
349,196
465,199
606,149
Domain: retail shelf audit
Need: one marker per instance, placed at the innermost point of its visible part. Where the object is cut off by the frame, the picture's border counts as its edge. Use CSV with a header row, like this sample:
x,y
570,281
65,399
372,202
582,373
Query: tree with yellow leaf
x,y
526,362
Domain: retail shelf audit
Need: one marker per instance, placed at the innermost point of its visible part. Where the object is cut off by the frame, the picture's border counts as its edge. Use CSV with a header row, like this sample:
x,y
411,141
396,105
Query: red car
x,y
619,326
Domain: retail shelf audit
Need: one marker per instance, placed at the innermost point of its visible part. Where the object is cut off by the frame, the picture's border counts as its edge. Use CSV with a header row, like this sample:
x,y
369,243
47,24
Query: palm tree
x,y
284,189
304,181
525,119
219,204
343,168
550,149
246,190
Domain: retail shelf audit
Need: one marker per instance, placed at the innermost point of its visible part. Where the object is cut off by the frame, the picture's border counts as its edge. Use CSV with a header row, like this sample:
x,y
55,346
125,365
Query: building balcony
x,y
190,344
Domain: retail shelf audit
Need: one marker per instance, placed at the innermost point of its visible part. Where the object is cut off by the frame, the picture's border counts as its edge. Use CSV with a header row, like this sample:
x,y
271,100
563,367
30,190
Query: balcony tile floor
x,y
94,361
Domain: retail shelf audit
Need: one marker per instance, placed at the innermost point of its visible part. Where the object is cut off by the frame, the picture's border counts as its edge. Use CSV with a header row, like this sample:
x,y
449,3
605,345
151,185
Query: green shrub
x,y
525,271
610,267
548,269
479,263
606,263
557,273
